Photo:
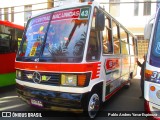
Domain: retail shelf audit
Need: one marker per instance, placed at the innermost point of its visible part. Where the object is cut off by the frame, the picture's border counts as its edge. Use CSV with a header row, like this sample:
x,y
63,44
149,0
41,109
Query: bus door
x,y
116,52
133,55
125,55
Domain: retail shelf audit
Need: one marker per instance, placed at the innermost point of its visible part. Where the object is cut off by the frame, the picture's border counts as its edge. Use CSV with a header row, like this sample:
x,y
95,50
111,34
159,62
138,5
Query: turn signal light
x,y
81,80
152,88
89,3
148,74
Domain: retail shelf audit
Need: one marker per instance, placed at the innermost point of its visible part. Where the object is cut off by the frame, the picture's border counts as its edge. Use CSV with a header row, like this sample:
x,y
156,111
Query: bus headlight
x,y
80,80
69,80
18,74
158,94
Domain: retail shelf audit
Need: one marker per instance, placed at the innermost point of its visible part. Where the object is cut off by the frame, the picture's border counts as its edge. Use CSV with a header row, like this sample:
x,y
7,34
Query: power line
x,y
52,2
28,4
129,2
13,12
118,2
24,11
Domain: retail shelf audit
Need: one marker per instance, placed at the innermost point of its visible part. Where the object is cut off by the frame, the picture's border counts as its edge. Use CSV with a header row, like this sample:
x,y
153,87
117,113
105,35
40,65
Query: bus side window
x,y
131,45
135,46
106,37
5,43
124,42
94,48
116,38
93,52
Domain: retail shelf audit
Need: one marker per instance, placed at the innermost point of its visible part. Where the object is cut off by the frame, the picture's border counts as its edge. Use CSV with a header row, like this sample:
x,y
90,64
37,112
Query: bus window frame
x,y
92,18
41,58
122,41
118,36
109,34
131,42
13,41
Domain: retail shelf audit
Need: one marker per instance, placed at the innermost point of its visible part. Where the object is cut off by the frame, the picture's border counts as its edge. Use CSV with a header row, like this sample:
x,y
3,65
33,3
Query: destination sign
x,y
78,13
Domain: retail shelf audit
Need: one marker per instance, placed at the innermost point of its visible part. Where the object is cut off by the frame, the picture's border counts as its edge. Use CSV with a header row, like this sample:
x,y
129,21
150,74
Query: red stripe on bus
x,y
7,63
51,67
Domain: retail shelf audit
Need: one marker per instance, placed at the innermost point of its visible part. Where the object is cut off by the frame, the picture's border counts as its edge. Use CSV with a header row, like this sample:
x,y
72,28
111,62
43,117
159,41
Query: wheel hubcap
x,y
93,106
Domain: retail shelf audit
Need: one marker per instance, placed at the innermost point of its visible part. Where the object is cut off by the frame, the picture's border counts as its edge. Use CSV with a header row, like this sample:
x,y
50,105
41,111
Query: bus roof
x,y
10,24
72,5
77,4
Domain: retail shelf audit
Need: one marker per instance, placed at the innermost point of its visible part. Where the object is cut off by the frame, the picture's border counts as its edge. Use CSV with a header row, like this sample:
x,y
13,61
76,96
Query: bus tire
x,y
129,81
93,104
128,85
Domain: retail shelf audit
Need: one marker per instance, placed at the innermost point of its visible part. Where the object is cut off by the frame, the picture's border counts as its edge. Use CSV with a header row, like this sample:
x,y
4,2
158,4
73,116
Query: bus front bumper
x,y
51,100
153,110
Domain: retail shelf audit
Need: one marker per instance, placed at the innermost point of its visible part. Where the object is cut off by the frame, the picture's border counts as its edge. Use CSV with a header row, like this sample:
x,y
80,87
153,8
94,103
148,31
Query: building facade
x,y
133,14
19,11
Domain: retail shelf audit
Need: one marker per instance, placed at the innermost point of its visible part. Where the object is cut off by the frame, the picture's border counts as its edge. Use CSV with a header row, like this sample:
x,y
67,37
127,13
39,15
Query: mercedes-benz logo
x,y
36,60
36,77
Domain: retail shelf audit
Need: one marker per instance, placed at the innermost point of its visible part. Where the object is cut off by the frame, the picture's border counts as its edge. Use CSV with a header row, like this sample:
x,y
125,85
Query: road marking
x,y
11,107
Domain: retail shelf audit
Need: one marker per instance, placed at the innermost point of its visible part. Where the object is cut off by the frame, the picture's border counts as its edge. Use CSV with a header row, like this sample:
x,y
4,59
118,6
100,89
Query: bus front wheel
x,y
93,105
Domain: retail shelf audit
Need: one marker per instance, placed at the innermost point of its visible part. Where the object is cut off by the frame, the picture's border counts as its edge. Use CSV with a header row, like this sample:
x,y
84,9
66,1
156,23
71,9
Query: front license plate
x,y
37,103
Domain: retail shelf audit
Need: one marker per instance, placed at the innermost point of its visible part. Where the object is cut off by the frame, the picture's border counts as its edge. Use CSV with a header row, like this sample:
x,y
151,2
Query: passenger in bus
x,y
105,46
142,65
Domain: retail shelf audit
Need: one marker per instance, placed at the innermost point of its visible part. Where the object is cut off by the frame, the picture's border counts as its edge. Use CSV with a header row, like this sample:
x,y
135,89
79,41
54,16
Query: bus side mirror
x,y
148,28
147,31
100,22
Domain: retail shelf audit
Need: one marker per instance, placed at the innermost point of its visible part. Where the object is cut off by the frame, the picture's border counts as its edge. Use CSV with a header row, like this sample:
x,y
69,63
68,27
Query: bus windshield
x,y
58,36
155,51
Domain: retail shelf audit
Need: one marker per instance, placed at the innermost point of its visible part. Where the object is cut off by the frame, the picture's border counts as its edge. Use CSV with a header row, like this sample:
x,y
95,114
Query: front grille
x,y
54,77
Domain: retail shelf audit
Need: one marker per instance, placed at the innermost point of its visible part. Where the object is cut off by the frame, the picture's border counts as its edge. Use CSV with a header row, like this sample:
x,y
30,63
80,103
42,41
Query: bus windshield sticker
x,y
35,34
156,43
79,13
112,64
41,19
33,51
156,51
